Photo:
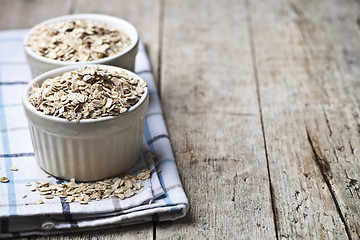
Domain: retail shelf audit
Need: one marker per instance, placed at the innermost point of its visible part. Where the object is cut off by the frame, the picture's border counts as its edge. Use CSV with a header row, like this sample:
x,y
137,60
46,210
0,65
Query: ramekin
x,y
125,59
91,149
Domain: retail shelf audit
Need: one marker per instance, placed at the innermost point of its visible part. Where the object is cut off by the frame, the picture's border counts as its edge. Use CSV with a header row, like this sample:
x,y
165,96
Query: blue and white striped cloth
x,y
161,199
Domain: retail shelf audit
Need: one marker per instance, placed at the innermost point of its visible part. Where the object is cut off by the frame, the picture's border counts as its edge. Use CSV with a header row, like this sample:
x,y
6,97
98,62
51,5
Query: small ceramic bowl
x,y
124,59
91,149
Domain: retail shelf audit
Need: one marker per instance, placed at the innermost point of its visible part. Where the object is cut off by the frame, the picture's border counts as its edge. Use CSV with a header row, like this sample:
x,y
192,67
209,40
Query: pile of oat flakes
x,y
83,193
87,93
78,40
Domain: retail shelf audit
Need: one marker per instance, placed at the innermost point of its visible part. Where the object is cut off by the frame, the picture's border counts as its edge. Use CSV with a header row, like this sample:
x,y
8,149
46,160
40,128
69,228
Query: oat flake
x,y
13,168
4,179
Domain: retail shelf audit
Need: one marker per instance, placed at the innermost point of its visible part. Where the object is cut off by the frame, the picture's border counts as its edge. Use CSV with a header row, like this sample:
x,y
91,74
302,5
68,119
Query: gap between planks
x,y
324,167
160,52
256,78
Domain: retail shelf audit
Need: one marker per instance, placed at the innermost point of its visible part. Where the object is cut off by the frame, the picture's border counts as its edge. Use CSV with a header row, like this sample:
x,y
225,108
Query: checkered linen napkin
x,y
161,199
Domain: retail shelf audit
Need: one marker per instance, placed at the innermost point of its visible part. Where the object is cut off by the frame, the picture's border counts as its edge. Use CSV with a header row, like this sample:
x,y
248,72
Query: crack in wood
x,y
320,160
352,149
256,78
299,205
154,230
222,159
235,179
325,170
353,185
327,123
275,210
161,36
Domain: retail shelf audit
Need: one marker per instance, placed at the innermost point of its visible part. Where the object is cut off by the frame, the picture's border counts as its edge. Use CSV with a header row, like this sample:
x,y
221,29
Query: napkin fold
x,y
161,199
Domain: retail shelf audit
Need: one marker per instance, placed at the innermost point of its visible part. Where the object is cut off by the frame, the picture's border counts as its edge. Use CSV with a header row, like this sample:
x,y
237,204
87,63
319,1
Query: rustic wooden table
x,y
262,104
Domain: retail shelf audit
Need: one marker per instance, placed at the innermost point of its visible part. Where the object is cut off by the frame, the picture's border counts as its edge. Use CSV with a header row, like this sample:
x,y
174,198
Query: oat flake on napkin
x,y
161,199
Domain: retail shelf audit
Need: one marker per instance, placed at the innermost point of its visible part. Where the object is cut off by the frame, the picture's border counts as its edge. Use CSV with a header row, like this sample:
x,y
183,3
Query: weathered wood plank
x,y
130,232
27,13
211,108
292,102
144,15
307,66
333,36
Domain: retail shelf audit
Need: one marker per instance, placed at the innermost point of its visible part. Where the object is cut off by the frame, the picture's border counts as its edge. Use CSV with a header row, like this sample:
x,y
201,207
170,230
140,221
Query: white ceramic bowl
x,y
124,59
91,149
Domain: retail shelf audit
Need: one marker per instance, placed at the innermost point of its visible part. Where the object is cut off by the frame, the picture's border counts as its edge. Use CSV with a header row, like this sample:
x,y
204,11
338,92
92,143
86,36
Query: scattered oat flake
x,y
143,175
128,183
137,185
49,197
4,179
13,168
121,196
28,184
129,193
39,201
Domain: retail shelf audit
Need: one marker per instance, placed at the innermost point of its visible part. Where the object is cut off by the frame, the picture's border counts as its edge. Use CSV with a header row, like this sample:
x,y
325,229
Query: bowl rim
x,y
58,71
93,16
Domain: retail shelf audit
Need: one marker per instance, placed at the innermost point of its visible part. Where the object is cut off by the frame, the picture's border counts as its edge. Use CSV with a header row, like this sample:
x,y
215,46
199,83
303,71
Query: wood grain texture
x,y
144,15
262,104
333,37
211,109
27,13
128,232
294,84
